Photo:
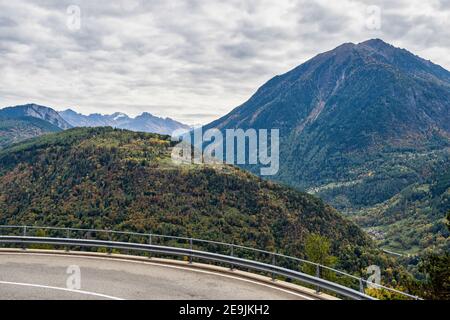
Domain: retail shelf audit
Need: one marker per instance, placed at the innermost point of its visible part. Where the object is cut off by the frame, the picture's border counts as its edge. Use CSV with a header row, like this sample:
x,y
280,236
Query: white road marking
x,y
169,266
61,289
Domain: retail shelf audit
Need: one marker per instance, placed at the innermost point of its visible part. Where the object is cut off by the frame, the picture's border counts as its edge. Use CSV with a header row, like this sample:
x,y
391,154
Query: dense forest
x,y
410,193
108,178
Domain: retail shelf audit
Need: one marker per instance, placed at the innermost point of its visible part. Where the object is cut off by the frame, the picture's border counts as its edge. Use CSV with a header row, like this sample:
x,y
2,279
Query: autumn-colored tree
x,y
436,267
317,249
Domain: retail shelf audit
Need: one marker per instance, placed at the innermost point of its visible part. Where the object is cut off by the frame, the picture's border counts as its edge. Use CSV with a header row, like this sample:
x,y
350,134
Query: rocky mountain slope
x,y
35,111
358,124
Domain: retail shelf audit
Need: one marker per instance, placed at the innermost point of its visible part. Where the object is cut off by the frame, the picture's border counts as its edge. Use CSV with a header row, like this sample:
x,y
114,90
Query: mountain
x,y
35,111
118,179
18,129
358,125
94,120
144,123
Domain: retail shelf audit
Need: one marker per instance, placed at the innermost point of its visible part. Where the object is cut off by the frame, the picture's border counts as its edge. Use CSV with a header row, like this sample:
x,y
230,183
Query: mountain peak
x,y
36,111
69,111
377,42
119,116
346,45
145,122
35,106
379,46
352,98
372,43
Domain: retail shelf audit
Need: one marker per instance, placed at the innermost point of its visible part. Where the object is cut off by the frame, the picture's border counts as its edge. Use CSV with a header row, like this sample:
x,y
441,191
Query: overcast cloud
x,y
190,60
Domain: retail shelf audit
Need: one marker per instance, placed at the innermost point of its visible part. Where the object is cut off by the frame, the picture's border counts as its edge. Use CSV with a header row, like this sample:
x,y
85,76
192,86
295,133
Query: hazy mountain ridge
x,y
352,119
35,111
144,122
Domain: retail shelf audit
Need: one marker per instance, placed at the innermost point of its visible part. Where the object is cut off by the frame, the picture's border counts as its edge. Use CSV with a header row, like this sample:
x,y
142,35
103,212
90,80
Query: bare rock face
x,y
35,111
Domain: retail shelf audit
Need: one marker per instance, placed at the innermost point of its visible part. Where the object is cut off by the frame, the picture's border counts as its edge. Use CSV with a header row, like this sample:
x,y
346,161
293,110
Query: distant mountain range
x,y
144,123
35,111
359,125
27,121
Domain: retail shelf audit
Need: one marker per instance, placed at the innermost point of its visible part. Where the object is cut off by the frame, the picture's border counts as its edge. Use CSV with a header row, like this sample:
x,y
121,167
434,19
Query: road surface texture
x,y
48,276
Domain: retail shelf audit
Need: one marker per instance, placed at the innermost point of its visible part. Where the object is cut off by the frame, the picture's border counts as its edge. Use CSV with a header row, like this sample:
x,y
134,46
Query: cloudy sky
x,y
190,60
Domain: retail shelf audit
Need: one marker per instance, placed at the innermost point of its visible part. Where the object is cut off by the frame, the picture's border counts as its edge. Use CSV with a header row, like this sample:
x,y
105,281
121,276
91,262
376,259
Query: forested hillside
x,y
110,178
19,129
116,179
414,218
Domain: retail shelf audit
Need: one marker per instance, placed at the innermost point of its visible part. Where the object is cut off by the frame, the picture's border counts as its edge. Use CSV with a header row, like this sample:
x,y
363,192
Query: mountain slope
x,y
110,178
35,111
413,218
144,123
358,124
18,129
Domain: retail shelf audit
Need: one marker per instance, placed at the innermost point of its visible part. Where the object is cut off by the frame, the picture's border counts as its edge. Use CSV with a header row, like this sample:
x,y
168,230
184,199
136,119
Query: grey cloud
x,y
243,50
444,4
7,22
189,60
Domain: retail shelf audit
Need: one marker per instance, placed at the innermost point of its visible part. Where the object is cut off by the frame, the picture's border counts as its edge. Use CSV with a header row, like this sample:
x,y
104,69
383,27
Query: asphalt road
x,y
40,276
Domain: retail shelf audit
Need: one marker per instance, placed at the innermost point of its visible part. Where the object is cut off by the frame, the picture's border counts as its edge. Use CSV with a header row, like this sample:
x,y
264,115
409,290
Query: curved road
x,y
45,276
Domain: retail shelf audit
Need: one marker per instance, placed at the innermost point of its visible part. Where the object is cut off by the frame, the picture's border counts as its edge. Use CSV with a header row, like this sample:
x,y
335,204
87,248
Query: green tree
x,y
317,249
41,233
437,270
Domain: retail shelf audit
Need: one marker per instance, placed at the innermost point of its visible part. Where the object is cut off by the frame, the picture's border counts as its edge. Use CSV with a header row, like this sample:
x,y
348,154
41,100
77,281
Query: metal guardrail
x,y
192,248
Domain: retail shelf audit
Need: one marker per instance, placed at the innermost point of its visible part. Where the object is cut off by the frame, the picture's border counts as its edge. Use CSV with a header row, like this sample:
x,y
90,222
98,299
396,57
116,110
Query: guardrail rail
x,y
338,282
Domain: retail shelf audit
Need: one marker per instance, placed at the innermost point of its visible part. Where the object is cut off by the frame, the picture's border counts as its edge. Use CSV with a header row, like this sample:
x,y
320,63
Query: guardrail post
x,y
318,276
68,237
361,285
273,263
110,239
24,247
232,254
150,243
191,247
